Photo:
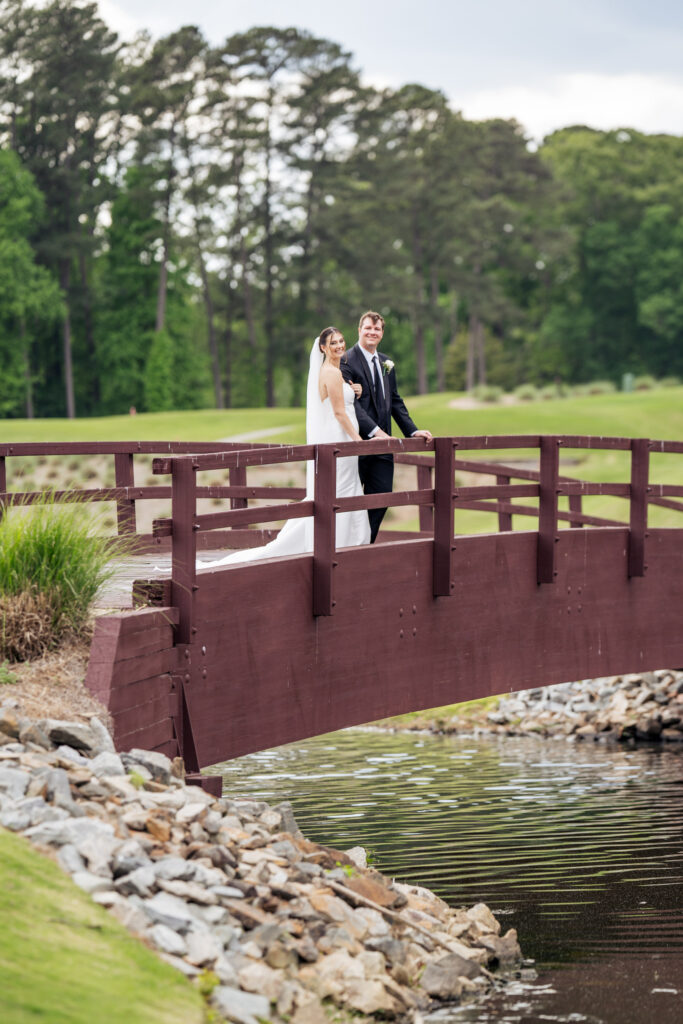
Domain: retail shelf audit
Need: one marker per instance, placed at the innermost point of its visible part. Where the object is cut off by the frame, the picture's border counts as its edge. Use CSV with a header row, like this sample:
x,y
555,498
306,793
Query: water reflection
x,y
578,847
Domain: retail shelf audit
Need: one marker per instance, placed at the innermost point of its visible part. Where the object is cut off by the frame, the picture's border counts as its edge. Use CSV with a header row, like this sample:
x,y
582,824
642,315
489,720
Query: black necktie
x,y
379,394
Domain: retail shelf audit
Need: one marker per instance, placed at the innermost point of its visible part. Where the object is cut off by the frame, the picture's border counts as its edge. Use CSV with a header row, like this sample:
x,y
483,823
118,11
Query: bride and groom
x,y
349,397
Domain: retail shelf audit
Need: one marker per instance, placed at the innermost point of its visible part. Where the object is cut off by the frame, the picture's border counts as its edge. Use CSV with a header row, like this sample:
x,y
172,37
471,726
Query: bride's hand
x,y
357,389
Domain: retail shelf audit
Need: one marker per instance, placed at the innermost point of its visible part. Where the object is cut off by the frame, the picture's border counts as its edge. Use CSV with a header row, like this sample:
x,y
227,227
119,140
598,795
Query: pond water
x,y
577,846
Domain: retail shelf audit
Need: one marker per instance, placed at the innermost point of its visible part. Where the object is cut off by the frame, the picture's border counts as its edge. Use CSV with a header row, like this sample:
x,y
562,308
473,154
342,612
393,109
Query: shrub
x,y
599,387
670,382
53,562
487,393
549,392
645,382
526,392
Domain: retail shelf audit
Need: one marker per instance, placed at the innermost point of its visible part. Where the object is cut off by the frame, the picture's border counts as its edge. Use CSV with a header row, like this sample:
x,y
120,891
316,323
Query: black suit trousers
x,y
376,475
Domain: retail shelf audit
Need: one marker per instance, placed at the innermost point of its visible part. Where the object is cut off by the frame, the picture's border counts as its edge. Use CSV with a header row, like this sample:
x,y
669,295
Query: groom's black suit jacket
x,y
376,471
355,369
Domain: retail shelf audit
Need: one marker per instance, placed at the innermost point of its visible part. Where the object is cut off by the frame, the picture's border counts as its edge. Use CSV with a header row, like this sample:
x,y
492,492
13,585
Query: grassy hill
x,y
65,960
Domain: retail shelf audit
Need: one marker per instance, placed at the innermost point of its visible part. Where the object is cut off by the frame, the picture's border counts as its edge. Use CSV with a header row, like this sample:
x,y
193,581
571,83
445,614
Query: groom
x,y
379,401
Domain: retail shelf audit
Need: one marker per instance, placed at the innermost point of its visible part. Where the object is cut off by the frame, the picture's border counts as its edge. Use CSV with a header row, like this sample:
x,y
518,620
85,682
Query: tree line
x,y
178,220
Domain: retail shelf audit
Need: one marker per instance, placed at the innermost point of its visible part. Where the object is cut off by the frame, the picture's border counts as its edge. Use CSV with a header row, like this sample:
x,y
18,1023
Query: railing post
x,y
125,507
238,478
3,483
547,508
443,567
184,541
324,523
575,505
640,465
504,518
426,513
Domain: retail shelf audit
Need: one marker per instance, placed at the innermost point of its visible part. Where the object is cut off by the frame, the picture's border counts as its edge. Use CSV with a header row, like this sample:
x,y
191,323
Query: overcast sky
x,y
547,63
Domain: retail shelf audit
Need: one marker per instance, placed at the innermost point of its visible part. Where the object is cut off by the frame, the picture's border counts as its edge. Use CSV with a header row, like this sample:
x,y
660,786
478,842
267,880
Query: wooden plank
x,y
504,517
424,483
125,477
268,514
141,695
154,709
144,618
155,736
444,544
547,508
147,665
184,553
496,491
640,467
324,532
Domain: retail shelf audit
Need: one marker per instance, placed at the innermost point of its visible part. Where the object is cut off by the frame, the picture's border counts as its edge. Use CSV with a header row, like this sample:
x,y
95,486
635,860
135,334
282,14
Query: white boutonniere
x,y
387,366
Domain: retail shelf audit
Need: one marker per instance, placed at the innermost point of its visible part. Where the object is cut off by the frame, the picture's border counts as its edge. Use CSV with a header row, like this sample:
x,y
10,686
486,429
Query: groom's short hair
x,y
375,317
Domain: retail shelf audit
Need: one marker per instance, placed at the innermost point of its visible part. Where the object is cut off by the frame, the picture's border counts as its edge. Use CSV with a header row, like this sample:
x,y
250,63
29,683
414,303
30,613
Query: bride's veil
x,y
314,410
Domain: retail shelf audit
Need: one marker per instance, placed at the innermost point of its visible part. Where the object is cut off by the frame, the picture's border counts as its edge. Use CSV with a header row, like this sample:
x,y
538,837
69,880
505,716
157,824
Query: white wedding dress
x,y
322,426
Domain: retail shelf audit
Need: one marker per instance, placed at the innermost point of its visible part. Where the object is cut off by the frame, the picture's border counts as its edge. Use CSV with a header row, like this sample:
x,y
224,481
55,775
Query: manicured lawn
x,y
65,960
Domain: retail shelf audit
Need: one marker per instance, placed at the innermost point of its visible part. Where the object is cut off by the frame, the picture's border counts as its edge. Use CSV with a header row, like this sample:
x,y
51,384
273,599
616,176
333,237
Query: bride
x,y
330,417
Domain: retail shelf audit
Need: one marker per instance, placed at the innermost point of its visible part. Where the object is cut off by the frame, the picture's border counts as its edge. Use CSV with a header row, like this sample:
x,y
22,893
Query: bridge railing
x,y
437,497
125,494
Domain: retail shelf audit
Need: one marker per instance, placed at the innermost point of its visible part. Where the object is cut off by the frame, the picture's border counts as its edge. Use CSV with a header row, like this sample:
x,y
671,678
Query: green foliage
x,y
136,779
195,217
6,676
526,392
55,552
159,376
487,393
644,382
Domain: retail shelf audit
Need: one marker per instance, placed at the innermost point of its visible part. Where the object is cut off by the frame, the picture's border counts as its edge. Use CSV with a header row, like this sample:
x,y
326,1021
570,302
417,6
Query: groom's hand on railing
x,y
380,435
423,433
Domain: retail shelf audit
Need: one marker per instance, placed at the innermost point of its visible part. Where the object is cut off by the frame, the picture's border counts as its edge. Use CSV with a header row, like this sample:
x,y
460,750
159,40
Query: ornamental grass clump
x,y
53,562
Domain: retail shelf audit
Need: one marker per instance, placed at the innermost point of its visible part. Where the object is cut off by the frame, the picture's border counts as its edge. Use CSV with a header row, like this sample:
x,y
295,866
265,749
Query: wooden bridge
x,y
216,663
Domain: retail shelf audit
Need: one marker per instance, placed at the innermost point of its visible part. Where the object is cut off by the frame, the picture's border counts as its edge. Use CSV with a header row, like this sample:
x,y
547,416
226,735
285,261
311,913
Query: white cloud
x,y
649,103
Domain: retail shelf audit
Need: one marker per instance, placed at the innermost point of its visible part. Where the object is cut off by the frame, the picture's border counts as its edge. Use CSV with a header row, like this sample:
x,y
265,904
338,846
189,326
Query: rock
x,y
91,883
371,889
259,977
442,979
70,859
32,733
74,734
167,940
140,881
107,763
240,1007
14,782
483,917
202,948
505,950
103,740
58,791
159,766
164,908
358,855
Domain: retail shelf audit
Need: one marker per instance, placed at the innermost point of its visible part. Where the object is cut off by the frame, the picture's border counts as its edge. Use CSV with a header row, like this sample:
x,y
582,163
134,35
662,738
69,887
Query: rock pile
x,y
230,889
646,706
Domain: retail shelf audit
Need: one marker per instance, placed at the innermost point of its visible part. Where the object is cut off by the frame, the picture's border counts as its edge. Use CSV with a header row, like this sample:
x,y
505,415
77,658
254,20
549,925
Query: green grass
x,y
64,960
56,550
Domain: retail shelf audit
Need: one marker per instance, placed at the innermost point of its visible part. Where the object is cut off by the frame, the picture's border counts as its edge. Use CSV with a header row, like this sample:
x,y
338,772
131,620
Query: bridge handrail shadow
x,y
437,502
